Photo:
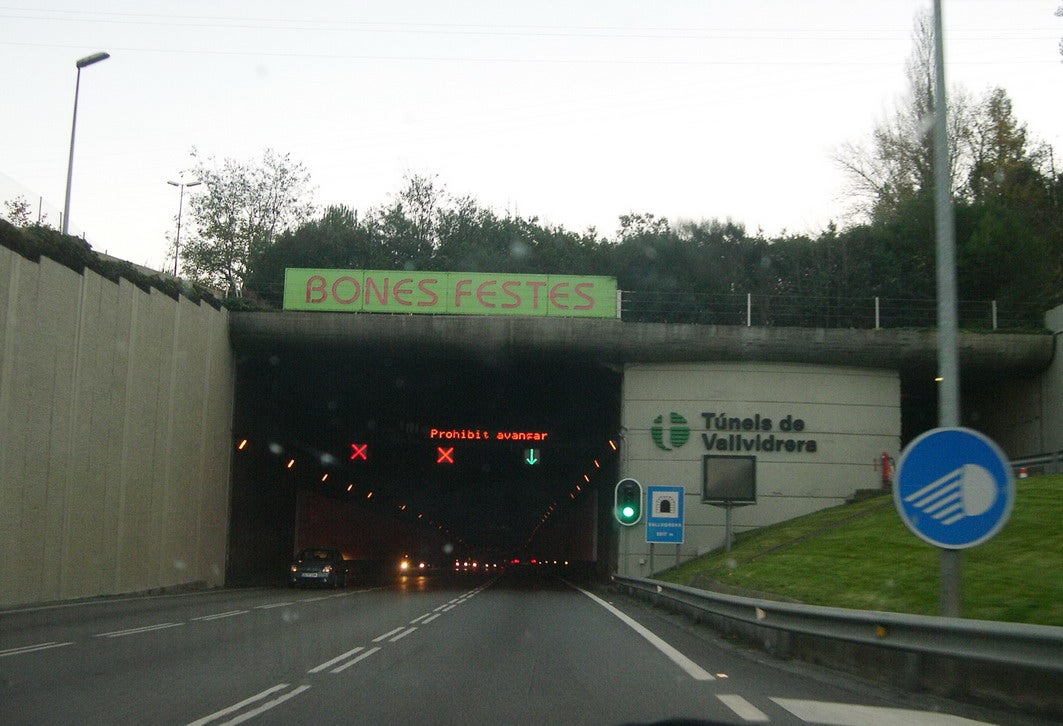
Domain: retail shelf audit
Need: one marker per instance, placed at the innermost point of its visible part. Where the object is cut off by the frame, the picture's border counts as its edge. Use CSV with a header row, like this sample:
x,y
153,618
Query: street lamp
x,y
81,63
180,206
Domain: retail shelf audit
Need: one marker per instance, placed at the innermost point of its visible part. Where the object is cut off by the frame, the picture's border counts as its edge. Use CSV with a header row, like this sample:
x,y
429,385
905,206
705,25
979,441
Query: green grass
x,y
862,556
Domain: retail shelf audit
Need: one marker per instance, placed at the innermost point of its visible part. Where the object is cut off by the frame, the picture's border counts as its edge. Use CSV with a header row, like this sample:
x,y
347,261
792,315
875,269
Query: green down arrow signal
x,y
531,457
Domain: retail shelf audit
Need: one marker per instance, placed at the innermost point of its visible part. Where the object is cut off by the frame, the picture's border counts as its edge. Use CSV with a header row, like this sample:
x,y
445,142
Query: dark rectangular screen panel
x,y
729,479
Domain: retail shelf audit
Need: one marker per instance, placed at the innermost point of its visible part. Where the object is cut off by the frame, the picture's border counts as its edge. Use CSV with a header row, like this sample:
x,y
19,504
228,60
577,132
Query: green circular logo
x,y
678,432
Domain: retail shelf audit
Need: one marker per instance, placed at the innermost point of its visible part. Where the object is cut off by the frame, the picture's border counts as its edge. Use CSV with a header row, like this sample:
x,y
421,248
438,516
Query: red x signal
x,y
444,455
358,452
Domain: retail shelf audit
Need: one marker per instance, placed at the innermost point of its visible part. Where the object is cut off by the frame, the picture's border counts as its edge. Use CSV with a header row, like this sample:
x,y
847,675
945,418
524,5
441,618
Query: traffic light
x,y
627,499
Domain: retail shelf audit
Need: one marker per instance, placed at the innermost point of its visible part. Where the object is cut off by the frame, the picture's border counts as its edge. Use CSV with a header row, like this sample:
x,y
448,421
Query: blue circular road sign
x,y
954,487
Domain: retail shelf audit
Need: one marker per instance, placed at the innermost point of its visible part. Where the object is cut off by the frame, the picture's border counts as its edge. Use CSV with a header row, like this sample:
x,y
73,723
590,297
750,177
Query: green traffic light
x,y
628,502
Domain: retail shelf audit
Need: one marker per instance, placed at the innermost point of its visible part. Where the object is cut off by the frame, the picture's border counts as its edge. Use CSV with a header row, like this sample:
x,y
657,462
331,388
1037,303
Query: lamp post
x,y
81,63
180,206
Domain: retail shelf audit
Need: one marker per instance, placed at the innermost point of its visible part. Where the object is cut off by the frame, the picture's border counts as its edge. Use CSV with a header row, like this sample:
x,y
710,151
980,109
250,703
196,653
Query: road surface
x,y
523,647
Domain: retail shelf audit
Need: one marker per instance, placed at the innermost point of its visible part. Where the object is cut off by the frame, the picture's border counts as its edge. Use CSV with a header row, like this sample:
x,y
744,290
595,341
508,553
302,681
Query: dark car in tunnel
x,y
318,566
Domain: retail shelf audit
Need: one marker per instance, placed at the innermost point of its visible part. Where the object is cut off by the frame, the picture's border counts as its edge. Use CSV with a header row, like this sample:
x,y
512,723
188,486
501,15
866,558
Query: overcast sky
x,y
572,111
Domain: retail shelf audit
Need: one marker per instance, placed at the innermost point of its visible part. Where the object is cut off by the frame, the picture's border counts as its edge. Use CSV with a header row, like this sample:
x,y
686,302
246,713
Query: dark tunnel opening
x,y
443,457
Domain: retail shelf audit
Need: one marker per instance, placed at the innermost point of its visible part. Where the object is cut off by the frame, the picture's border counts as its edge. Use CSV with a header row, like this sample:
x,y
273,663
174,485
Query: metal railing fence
x,y
752,309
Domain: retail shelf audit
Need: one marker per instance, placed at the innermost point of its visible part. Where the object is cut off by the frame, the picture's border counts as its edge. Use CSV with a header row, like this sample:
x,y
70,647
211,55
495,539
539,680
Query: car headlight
x,y
327,569
294,568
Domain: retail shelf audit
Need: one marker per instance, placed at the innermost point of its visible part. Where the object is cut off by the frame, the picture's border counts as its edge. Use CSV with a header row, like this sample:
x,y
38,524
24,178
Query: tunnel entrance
x,y
444,458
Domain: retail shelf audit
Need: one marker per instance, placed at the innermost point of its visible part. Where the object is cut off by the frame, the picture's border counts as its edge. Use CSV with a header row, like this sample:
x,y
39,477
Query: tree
x,y
410,224
1059,14
999,147
898,161
1012,212
245,206
17,211
337,239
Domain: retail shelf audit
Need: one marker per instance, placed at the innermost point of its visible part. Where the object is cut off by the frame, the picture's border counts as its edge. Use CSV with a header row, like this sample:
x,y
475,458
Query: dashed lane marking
x,y
246,715
337,659
743,708
31,648
219,616
852,714
359,659
237,706
387,635
137,631
402,635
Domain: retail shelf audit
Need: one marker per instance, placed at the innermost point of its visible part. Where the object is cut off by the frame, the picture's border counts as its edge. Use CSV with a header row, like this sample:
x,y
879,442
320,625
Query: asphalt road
x,y
520,648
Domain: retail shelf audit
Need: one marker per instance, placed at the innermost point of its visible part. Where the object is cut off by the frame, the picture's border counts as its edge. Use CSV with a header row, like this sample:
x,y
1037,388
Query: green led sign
x,y
449,293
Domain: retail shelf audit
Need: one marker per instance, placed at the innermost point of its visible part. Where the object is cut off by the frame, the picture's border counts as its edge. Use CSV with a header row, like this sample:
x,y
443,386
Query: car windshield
x,y
557,362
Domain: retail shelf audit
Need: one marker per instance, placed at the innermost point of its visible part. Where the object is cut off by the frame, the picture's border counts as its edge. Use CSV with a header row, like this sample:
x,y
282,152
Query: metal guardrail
x,y
1040,463
1017,645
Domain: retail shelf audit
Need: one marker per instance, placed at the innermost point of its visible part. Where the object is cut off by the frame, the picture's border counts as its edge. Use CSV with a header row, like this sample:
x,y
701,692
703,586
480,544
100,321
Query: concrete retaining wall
x,y
851,415
115,416
1024,414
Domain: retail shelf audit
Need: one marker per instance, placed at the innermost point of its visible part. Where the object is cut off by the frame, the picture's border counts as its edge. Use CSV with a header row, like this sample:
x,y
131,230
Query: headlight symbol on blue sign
x,y
954,488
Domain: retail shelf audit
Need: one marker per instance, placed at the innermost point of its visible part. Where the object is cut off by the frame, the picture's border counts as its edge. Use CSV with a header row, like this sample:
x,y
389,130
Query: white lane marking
x,y
93,602
265,706
441,607
387,635
315,599
448,608
219,616
237,706
419,618
31,648
402,635
693,669
273,605
849,714
743,708
360,658
337,659
429,619
135,631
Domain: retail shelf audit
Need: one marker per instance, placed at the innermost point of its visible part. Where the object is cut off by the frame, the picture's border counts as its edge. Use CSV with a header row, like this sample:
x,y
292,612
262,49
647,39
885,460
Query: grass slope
x,y
862,556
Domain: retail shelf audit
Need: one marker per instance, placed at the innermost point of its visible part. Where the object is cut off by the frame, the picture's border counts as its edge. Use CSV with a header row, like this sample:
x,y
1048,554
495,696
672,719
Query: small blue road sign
x,y
954,487
664,514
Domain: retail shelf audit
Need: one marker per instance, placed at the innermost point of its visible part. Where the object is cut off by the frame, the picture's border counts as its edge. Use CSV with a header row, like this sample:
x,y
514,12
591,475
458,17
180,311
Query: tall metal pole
x,y
70,163
177,239
948,359
180,207
81,63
